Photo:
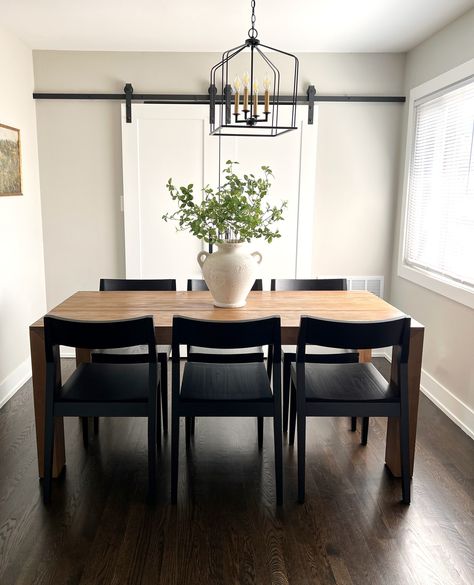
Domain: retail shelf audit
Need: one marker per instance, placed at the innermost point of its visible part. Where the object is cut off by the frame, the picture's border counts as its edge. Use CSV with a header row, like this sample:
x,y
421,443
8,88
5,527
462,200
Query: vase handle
x,y
201,257
257,256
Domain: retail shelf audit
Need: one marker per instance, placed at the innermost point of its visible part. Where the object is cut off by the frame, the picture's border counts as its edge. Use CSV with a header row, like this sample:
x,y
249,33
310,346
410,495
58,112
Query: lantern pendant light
x,y
249,84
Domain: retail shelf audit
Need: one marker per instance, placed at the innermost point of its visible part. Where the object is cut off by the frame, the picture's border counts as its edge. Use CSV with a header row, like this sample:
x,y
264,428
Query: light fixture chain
x,y
253,31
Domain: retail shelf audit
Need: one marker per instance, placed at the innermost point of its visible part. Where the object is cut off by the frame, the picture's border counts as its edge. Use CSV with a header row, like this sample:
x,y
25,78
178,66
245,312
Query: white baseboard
x,y
67,352
14,381
383,352
460,413
454,408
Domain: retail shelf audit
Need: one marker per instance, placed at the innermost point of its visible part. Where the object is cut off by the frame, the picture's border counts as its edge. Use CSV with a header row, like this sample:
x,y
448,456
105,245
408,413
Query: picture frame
x,y
10,161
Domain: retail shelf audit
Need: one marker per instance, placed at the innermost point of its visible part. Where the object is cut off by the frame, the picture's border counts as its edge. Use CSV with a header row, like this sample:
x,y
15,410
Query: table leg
x,y
392,450
365,355
38,366
82,355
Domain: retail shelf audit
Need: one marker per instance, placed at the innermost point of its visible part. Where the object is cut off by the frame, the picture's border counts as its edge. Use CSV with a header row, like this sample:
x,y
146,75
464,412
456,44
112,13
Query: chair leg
x,y
405,454
193,425
164,390
354,424
301,455
96,425
291,439
158,418
174,457
270,362
286,391
365,430
85,431
277,438
152,452
48,455
260,431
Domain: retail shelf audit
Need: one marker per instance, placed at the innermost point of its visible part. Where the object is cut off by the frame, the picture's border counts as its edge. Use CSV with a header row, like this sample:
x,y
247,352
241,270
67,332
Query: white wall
x,y
448,365
22,285
356,185
80,158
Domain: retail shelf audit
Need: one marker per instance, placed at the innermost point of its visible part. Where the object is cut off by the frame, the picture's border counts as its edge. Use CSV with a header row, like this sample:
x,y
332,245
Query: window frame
x,y
437,283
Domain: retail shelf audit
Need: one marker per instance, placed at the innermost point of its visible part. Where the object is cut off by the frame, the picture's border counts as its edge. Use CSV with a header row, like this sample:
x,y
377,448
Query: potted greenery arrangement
x,y
230,217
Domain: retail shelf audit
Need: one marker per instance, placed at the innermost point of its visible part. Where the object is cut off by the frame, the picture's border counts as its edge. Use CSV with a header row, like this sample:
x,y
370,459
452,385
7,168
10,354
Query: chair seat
x,y
129,355
243,354
226,382
92,382
346,383
319,350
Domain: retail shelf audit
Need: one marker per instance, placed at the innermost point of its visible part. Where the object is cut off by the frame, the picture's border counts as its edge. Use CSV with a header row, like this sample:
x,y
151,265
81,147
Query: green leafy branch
x,y
236,212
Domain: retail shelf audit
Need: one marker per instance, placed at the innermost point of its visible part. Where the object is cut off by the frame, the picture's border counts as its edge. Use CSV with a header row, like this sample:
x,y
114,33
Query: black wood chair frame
x,y
364,335
100,335
227,335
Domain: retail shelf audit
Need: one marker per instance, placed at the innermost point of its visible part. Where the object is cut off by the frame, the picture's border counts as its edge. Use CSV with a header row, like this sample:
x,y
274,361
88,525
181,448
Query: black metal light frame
x,y
251,124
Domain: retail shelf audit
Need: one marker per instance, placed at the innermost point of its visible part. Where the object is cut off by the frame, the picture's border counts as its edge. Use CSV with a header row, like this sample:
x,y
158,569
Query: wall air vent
x,y
373,284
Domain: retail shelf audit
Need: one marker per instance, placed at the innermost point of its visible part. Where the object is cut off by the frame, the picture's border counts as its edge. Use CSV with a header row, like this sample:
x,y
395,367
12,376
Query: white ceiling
x,y
215,25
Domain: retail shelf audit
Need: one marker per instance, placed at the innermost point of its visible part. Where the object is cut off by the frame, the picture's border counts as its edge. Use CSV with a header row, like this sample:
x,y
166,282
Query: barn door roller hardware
x,y
128,90
211,98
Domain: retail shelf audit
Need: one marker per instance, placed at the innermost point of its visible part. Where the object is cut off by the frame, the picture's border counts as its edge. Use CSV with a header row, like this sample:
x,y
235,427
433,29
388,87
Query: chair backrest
x,y
308,284
226,334
98,334
197,284
161,284
200,284
350,334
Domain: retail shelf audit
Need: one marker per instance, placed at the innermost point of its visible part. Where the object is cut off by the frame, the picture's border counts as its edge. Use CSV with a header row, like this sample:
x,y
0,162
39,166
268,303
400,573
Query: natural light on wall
x,y
439,218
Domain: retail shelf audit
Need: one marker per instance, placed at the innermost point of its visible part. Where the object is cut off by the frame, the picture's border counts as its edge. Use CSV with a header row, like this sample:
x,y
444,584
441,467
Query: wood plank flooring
x,y
226,528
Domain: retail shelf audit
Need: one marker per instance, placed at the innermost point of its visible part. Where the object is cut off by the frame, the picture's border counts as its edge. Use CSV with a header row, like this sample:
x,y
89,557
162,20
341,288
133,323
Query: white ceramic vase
x,y
229,273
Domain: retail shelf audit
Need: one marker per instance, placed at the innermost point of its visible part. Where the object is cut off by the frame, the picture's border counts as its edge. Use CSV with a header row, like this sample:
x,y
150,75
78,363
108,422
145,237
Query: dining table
x,y
289,305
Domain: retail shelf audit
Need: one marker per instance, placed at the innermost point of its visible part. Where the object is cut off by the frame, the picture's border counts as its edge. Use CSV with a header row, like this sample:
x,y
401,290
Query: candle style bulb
x,y
236,97
255,98
266,85
245,81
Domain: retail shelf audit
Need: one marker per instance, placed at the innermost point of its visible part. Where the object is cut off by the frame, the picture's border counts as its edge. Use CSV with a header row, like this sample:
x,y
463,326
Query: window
x,y
438,243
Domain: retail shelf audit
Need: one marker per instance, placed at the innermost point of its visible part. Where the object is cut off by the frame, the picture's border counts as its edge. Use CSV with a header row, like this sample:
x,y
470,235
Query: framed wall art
x,y
10,161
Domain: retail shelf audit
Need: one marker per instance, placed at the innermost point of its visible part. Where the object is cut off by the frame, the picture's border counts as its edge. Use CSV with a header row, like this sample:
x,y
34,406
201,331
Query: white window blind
x,y
440,213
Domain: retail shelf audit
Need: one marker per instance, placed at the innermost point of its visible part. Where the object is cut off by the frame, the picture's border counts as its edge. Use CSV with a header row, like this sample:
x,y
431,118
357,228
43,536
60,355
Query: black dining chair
x,y
314,354
152,284
101,389
209,354
348,389
235,389
136,354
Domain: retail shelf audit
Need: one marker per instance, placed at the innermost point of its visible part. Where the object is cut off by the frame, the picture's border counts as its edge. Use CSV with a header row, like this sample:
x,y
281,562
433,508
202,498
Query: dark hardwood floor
x,y
226,528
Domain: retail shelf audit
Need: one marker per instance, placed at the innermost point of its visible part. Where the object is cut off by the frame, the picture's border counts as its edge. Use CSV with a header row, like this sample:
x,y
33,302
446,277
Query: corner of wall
x,y
23,280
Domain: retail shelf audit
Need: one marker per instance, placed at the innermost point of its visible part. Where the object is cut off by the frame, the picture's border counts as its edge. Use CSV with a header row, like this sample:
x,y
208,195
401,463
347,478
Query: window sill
x,y
458,293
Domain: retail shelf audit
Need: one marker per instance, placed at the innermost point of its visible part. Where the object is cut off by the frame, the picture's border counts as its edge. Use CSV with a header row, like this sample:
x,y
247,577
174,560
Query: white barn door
x,y
166,141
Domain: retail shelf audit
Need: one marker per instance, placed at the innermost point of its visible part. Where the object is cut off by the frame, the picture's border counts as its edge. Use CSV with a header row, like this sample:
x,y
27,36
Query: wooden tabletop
x,y
289,305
